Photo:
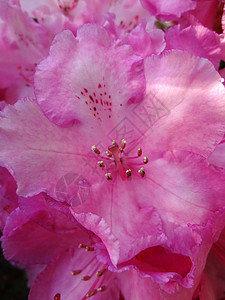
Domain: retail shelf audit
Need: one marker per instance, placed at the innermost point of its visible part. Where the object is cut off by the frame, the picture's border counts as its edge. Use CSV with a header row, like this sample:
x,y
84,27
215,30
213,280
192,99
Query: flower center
x,y
117,161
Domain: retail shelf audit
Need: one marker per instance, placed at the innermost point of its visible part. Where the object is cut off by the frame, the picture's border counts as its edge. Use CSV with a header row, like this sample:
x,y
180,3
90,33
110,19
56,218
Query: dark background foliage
x,y
13,282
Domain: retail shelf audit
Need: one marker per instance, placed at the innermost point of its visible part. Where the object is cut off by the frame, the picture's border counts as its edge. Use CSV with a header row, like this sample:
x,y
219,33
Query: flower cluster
x,y
112,157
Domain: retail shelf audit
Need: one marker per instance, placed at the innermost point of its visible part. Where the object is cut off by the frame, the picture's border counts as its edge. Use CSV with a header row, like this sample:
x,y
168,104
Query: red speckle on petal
x,y
109,116
105,93
86,91
99,86
81,93
96,100
57,297
94,94
109,96
91,98
94,108
121,104
100,94
77,97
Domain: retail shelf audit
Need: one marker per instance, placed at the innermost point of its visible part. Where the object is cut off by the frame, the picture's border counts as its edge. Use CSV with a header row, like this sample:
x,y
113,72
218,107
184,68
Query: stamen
x,y
141,172
95,149
123,144
128,173
101,164
145,160
101,289
74,273
100,273
108,154
114,142
81,246
91,293
139,151
108,176
121,149
86,278
87,248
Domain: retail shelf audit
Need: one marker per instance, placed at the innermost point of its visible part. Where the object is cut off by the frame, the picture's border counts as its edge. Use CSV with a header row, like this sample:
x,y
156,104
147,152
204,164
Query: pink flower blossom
x,y
38,233
171,200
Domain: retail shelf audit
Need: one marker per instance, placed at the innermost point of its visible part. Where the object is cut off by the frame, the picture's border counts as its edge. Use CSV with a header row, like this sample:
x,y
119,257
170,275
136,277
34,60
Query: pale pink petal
x,y
57,279
23,43
197,40
187,100
217,158
145,39
168,9
134,287
96,78
32,145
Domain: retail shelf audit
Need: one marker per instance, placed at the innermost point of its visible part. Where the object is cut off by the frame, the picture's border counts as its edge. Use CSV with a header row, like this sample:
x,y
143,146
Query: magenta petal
x,y
168,9
190,101
25,243
87,79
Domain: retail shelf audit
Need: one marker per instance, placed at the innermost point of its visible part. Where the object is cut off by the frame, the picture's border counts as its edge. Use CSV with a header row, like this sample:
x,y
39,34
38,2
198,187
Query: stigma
x,y
115,161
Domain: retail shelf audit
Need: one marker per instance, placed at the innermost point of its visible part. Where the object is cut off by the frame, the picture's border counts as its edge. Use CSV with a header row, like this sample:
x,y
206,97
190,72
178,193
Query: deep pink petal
x,y
26,243
168,9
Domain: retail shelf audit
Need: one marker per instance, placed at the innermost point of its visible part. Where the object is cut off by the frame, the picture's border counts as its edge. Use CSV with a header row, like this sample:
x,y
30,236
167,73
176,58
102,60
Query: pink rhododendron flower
x,y
169,203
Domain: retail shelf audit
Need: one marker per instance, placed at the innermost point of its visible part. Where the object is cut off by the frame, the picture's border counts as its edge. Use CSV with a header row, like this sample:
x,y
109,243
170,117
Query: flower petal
x,y
95,79
189,103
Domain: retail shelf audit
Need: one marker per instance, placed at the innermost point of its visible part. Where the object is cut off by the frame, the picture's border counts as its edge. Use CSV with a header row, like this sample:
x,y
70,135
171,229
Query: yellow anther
x,y
100,273
76,272
108,154
89,248
95,149
145,160
141,172
123,144
86,278
139,151
101,289
81,246
91,293
101,164
108,176
128,173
